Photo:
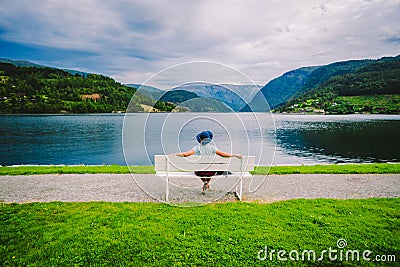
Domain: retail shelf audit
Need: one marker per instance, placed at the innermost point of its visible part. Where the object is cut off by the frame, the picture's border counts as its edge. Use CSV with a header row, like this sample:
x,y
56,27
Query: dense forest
x,y
48,90
374,88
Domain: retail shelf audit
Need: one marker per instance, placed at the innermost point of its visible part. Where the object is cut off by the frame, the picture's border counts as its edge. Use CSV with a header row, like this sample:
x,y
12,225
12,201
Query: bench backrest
x,y
165,163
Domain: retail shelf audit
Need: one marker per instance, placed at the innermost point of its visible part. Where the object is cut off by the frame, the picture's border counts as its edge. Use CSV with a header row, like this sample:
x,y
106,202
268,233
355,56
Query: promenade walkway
x,y
122,188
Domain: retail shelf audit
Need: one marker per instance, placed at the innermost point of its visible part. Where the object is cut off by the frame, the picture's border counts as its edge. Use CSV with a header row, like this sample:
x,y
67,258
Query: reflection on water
x,y
299,139
59,139
341,139
145,136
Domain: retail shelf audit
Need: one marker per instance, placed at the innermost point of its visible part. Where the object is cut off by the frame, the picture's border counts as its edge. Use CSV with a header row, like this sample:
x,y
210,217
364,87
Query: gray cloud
x,y
131,40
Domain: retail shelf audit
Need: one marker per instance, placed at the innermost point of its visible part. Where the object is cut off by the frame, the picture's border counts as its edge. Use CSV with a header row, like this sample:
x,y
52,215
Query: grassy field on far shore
x,y
375,168
221,234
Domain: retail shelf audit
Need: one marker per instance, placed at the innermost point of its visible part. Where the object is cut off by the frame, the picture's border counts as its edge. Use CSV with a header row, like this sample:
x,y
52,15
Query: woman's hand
x,y
183,154
227,155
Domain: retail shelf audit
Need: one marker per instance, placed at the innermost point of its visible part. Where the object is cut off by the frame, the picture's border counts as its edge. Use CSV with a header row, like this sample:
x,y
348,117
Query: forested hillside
x,y
374,88
188,101
49,90
280,89
295,83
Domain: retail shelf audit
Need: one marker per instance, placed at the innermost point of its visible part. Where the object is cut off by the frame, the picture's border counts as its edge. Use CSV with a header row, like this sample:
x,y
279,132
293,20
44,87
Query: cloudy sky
x,y
131,40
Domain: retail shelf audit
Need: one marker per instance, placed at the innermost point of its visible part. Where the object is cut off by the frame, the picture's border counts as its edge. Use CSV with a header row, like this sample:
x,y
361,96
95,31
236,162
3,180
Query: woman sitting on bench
x,y
206,148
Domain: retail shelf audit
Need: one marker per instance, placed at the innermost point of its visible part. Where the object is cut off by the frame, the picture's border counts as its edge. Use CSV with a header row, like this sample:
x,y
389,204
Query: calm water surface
x,y
298,139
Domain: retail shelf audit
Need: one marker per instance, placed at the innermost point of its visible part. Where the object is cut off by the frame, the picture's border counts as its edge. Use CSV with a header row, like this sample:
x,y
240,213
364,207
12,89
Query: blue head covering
x,y
204,137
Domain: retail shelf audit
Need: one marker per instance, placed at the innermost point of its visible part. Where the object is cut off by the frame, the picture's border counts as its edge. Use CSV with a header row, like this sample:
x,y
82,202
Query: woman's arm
x,y
184,154
227,155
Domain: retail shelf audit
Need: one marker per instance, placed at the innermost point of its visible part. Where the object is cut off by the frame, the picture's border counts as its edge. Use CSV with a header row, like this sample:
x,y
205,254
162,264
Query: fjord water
x,y
96,139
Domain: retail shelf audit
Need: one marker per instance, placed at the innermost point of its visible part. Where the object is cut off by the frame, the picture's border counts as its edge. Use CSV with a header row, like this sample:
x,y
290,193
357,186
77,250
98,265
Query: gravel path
x,y
122,188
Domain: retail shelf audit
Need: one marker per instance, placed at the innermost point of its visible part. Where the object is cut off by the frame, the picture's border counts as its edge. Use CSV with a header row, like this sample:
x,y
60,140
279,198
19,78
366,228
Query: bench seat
x,y
184,167
192,175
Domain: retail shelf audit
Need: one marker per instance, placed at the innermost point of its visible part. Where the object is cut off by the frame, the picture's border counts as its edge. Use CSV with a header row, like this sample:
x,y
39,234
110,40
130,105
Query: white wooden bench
x,y
184,167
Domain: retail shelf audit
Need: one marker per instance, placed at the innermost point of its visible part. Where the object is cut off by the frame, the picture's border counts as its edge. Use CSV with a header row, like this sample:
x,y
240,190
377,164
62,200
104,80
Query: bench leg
x,y
166,190
239,189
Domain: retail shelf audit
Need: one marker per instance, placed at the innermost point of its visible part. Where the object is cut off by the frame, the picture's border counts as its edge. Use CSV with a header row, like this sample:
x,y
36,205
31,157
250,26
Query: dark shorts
x,y
208,173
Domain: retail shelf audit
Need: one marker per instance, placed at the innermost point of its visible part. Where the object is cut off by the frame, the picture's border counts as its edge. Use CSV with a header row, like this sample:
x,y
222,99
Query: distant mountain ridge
x,y
21,63
146,90
222,93
295,83
373,88
232,96
25,63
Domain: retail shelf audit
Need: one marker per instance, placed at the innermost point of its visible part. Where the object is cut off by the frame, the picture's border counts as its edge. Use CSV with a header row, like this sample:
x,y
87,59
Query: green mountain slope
x,y
324,73
188,101
278,90
25,63
295,83
282,88
177,96
149,91
374,88
49,90
21,63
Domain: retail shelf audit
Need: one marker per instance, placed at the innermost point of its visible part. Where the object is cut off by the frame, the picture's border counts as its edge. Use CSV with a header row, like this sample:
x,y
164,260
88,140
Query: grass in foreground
x,y
229,234
375,168
261,170
30,170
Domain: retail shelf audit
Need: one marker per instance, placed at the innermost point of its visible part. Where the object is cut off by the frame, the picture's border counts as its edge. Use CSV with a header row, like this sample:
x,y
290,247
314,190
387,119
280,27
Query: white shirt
x,y
205,150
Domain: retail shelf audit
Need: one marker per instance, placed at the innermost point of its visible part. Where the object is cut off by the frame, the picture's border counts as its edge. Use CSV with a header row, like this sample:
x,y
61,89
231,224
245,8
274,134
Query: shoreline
x,y
275,165
270,112
337,168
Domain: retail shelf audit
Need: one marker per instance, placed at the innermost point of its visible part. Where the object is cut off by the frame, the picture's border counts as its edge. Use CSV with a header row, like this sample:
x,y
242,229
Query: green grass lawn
x,y
304,169
374,168
221,234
